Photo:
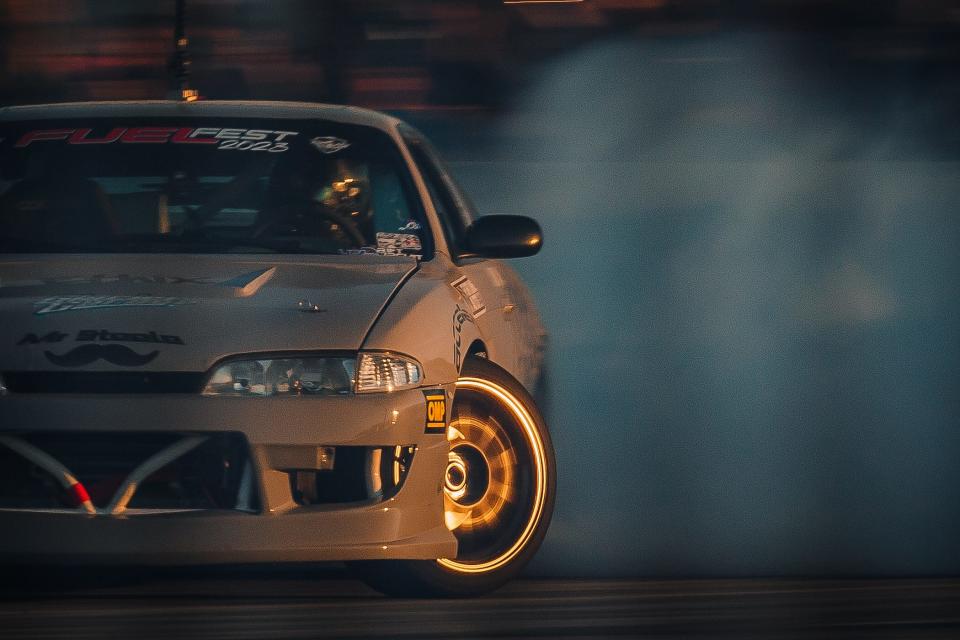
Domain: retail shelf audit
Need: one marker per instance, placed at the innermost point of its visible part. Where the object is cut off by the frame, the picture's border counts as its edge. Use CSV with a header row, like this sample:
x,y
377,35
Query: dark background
x,y
750,272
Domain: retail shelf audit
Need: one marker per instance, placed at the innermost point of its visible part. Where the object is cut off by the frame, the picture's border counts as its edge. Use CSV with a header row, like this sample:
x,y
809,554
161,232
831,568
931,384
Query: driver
x,y
325,198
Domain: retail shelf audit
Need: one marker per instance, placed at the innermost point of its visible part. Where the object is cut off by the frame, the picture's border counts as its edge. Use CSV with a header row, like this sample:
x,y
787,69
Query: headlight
x,y
386,372
282,377
369,372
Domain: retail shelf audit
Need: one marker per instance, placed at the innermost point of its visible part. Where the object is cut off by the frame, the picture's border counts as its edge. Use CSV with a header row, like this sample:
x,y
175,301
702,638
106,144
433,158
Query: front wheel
x,y
499,491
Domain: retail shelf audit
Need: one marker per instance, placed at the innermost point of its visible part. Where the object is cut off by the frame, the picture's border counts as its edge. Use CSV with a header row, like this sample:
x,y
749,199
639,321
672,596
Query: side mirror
x,y
504,237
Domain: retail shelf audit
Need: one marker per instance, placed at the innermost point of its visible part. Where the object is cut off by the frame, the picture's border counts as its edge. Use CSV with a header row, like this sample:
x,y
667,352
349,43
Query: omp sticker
x,y
436,419
472,295
58,304
411,225
394,244
329,144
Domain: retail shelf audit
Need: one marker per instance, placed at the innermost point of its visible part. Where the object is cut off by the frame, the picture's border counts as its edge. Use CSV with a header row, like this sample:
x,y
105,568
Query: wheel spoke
x,y
493,435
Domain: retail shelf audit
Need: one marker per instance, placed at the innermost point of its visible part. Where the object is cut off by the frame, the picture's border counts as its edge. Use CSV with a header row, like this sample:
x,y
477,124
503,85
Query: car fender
x,y
428,320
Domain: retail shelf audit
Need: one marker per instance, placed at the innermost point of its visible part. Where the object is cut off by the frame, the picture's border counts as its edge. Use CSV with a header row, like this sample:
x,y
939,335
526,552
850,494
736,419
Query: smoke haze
x,y
749,277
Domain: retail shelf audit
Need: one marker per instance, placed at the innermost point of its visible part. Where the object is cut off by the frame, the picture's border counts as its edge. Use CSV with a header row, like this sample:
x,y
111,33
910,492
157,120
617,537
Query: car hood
x,y
183,313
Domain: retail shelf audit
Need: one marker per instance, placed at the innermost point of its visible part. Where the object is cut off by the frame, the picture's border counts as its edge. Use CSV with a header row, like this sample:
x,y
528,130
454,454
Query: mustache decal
x,y
113,353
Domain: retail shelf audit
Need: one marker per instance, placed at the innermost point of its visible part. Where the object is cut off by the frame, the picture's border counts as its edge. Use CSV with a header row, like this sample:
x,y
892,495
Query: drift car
x,y
245,332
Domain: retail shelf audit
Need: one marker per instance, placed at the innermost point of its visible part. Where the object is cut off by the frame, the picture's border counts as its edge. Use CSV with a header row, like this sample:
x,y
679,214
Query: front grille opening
x,y
26,486
215,474
209,477
359,474
103,381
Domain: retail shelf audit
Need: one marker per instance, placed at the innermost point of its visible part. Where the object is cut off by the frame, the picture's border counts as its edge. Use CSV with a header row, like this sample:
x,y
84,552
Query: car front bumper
x,y
407,523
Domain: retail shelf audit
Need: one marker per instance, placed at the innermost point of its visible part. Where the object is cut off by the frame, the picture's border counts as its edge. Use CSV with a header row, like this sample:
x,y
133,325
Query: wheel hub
x,y
456,476
468,475
495,482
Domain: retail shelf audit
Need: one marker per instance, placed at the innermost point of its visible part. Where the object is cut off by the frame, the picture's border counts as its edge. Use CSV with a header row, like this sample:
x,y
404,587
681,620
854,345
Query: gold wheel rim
x,y
492,441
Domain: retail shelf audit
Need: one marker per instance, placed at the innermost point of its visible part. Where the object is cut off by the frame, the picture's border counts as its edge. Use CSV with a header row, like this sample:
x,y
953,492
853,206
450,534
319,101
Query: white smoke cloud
x,y
752,303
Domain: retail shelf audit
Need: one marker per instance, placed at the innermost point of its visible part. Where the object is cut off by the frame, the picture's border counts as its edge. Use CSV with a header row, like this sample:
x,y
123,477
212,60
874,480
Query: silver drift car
x,y
261,332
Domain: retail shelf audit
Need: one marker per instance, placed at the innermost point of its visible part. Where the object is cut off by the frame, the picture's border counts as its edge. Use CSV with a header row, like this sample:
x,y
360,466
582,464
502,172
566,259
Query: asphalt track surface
x,y
240,603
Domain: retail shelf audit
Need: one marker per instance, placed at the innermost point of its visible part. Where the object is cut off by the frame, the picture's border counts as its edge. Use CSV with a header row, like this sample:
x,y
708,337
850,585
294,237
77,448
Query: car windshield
x,y
205,185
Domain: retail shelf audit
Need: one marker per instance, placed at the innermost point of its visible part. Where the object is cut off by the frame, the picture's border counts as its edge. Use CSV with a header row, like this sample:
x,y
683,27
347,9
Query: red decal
x,y
79,493
183,135
152,135
81,137
49,134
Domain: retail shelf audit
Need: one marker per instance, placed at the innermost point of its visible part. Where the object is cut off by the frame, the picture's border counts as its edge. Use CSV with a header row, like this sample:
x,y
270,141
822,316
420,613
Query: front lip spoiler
x,y
217,537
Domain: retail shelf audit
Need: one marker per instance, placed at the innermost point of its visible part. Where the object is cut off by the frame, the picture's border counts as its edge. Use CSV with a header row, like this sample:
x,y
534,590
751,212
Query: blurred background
x,y
750,273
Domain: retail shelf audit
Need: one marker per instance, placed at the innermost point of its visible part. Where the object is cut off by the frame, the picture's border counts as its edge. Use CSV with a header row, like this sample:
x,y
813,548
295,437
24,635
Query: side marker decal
x,y
471,294
460,317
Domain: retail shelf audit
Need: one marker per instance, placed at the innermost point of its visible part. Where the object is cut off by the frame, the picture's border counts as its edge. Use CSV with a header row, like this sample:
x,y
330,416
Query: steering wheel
x,y
304,219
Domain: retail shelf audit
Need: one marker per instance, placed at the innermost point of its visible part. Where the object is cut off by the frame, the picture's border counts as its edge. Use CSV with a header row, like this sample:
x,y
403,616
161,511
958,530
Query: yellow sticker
x,y
436,419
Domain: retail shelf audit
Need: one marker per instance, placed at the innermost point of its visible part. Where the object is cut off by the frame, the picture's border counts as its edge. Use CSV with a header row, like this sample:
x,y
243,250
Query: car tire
x,y
499,492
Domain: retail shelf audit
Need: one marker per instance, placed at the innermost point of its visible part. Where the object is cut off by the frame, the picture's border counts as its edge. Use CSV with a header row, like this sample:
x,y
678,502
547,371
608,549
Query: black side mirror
x,y
504,237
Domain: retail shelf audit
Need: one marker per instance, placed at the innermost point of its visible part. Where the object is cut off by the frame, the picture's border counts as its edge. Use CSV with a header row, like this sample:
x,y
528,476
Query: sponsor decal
x,y
49,338
59,304
397,244
101,335
460,318
329,144
243,281
106,279
89,353
223,138
436,418
411,225
362,251
387,250
471,294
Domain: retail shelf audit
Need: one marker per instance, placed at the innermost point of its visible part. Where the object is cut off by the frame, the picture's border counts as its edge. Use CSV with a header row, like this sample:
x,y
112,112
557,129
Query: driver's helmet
x,y
334,192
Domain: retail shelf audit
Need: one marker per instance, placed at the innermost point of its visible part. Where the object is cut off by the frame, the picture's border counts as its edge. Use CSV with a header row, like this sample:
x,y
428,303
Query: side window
x,y
451,205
